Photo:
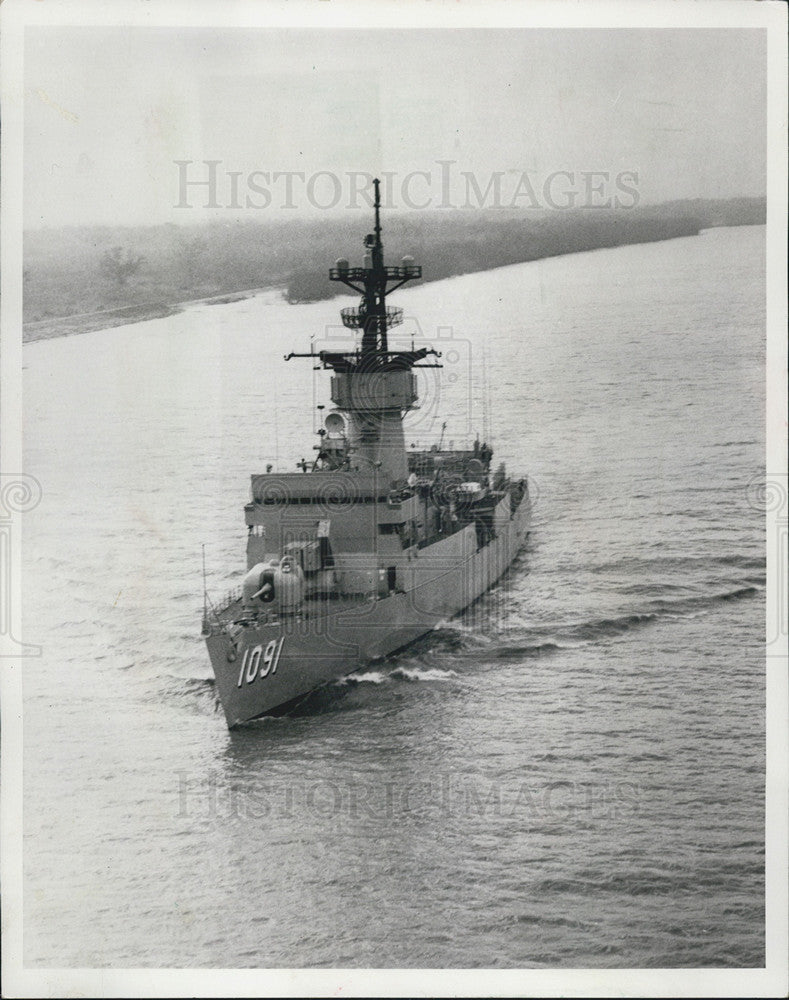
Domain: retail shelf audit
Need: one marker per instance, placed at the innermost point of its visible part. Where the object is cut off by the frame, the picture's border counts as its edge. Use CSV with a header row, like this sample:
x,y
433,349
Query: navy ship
x,y
372,544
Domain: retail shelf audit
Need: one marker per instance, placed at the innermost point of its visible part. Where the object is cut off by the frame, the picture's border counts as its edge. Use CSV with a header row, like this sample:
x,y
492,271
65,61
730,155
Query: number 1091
x,y
259,663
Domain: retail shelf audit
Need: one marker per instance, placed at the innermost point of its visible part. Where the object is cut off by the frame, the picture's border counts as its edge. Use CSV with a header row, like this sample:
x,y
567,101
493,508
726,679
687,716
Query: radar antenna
x,y
373,316
374,280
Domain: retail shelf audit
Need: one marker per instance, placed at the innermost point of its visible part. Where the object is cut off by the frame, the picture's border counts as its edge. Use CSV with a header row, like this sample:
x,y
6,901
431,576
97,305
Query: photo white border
x,y
770,15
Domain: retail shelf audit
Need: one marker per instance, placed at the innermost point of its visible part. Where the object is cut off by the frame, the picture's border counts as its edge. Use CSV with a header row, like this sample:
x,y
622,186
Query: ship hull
x,y
260,668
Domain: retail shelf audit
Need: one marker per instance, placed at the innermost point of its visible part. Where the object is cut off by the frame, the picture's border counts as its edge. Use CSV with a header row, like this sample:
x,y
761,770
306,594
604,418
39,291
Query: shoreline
x,y
107,319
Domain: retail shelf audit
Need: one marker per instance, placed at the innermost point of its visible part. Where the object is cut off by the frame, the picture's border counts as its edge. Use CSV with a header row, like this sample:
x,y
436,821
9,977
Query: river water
x,y
569,776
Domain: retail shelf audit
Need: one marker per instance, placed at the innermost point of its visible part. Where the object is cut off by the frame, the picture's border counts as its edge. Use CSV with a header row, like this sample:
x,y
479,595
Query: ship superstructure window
x,y
389,529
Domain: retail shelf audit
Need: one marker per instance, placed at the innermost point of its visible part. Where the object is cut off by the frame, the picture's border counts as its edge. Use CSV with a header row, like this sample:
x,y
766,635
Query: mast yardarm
x,y
373,280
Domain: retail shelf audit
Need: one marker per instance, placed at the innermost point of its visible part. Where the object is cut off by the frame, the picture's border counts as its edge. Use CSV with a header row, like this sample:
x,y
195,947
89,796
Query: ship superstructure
x,y
371,545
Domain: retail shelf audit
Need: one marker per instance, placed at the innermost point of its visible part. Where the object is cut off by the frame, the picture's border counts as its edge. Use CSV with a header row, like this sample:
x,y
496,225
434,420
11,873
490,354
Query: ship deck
x,y
314,606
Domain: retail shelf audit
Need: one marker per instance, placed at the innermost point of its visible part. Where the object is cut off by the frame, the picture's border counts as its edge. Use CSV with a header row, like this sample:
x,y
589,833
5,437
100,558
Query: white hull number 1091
x,y
251,661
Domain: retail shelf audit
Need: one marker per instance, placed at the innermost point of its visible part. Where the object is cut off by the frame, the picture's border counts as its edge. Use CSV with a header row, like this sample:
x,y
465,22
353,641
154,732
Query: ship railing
x,y
216,620
400,272
461,445
229,598
212,623
251,617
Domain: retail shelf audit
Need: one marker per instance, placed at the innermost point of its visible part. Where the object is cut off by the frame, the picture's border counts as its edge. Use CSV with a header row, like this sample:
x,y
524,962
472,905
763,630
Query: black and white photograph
x,y
393,523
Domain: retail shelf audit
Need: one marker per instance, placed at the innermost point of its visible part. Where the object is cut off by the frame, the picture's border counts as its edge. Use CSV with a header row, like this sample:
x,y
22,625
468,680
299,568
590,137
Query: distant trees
x,y
79,269
311,286
192,252
464,242
119,264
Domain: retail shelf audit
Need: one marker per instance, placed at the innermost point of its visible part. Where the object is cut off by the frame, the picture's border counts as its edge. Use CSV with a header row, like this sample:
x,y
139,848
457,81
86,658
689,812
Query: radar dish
x,y
335,423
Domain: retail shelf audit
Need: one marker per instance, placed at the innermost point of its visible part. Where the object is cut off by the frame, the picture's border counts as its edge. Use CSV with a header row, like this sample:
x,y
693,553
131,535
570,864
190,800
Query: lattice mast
x,y
374,280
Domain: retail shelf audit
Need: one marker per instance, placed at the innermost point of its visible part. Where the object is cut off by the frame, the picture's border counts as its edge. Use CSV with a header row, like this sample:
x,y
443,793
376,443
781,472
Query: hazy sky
x,y
109,111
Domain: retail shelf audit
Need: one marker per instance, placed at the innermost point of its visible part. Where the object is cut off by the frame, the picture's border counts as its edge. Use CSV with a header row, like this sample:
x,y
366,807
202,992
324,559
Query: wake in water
x,y
415,674
563,635
514,623
514,639
399,673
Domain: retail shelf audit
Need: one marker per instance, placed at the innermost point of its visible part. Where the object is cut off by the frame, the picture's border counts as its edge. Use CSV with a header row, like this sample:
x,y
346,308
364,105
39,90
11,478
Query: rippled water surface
x,y
571,775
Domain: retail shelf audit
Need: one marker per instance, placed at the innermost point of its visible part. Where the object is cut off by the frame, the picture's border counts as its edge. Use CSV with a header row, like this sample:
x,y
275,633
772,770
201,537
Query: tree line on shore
x,y
79,270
